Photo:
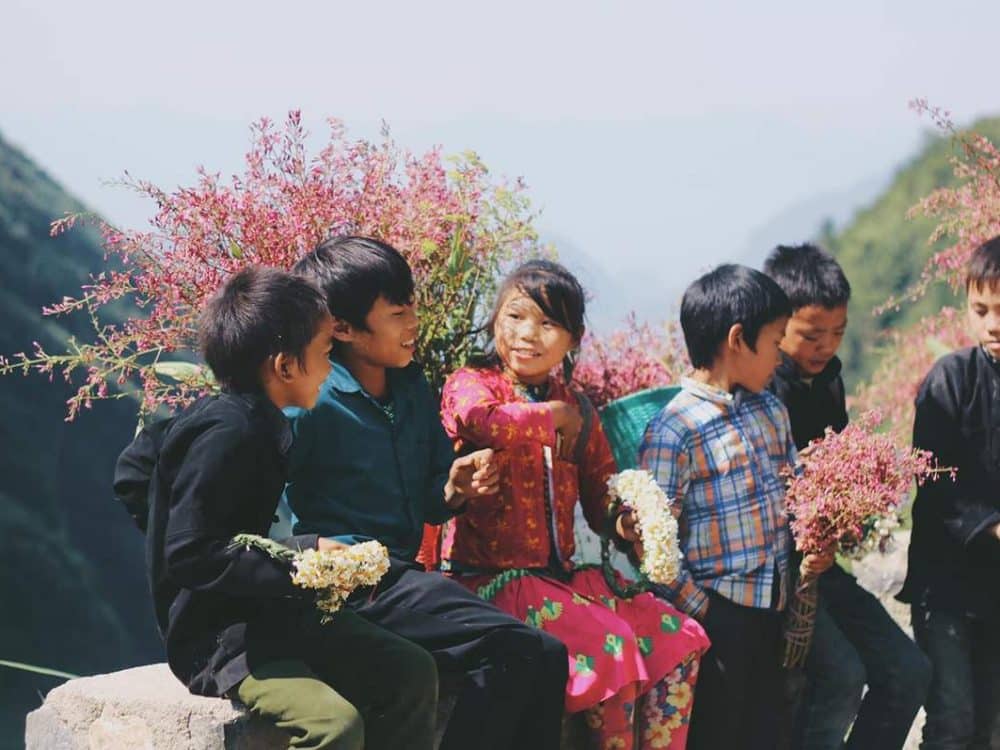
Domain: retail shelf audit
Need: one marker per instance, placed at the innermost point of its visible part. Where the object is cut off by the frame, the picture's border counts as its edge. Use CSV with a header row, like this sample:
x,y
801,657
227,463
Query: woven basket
x,y
625,420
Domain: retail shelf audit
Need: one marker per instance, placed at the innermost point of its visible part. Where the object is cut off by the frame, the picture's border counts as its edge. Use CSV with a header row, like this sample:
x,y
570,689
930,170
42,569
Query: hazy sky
x,y
658,137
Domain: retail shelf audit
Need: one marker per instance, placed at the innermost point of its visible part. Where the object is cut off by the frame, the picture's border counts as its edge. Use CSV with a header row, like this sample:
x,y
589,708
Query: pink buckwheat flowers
x,y
852,486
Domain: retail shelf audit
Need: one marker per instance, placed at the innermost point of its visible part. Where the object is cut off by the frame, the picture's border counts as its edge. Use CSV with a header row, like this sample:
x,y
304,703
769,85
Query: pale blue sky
x,y
658,137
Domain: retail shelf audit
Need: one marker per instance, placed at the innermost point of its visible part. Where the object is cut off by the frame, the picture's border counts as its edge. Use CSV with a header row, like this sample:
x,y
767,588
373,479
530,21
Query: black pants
x,y
963,704
513,676
739,694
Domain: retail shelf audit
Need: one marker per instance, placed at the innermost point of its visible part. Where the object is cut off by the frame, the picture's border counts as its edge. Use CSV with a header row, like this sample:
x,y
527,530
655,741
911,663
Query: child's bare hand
x,y
994,531
568,423
474,474
816,563
330,545
625,528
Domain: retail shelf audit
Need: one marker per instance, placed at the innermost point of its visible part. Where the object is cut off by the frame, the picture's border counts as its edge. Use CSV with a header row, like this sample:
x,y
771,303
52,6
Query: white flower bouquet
x,y
636,490
332,574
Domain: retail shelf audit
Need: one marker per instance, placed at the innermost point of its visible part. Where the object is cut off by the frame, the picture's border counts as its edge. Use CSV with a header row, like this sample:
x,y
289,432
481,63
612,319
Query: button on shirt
x,y
360,472
719,455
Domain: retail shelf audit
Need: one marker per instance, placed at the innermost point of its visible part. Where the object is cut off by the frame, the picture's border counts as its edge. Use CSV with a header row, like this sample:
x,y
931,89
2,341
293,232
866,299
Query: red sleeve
x,y
475,410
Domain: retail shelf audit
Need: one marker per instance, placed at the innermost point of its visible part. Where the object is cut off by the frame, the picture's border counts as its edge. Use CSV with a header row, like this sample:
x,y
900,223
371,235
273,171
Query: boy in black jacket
x,y
953,580
233,622
856,643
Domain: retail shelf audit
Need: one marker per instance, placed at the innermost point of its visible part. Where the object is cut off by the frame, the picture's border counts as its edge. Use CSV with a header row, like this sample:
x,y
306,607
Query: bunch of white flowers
x,y
335,574
638,491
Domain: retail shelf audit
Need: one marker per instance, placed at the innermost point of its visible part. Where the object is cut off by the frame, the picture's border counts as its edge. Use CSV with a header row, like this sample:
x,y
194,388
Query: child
x,y
233,622
515,549
718,448
371,460
954,557
856,642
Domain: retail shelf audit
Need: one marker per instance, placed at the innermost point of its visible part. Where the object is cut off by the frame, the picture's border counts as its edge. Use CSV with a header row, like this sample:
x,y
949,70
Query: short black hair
x,y
720,299
353,272
809,275
555,290
259,313
983,268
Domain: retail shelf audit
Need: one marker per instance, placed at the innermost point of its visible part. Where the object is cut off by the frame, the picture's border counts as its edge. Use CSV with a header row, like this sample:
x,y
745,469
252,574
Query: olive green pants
x,y
355,686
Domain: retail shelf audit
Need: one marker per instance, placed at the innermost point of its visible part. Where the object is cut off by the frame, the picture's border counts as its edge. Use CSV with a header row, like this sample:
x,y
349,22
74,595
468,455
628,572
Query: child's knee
x,y
338,727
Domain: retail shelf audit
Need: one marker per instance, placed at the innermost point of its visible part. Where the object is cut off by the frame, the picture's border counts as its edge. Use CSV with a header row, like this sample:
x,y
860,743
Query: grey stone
x,y
145,708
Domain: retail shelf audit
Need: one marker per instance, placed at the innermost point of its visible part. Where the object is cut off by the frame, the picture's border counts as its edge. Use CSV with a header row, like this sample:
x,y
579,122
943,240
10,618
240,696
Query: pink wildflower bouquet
x,y
846,496
852,487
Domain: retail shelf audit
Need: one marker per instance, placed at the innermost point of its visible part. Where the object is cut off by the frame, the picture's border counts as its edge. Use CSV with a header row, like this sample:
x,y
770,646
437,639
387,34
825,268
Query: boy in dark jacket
x,y
856,643
233,622
953,581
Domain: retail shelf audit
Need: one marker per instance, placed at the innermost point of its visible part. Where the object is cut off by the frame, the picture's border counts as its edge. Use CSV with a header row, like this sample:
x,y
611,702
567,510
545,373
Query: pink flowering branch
x,y
453,222
630,359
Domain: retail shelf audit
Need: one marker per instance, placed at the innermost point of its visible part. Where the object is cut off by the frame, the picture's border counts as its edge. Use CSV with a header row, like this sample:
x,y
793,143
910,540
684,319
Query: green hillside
x,y
883,252
71,564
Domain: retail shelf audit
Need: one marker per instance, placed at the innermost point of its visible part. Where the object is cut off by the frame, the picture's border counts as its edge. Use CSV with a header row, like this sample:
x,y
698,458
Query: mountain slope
x,y
71,565
883,252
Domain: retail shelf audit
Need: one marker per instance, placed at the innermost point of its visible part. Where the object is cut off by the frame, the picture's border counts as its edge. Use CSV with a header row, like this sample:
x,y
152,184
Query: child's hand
x,y
625,528
815,564
994,531
568,422
472,475
325,544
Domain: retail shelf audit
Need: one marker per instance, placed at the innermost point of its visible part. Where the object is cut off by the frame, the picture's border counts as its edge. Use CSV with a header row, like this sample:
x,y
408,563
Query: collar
x,y
789,371
710,392
342,379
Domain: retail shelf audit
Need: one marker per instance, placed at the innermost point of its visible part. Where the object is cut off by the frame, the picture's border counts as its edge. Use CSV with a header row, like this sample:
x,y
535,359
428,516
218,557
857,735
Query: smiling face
x,y
984,316
813,336
528,342
391,338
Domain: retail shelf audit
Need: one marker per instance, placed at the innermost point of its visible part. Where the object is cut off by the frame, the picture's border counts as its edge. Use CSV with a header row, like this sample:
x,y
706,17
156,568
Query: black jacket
x,y
812,405
214,471
953,564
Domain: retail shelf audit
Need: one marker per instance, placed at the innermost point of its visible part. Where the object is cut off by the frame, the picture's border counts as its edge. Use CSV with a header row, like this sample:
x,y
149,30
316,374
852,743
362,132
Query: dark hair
x,y
720,299
983,268
555,290
808,275
353,272
259,313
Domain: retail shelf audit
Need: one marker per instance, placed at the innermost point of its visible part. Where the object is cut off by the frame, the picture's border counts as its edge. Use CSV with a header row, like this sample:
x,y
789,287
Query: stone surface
x,y
145,708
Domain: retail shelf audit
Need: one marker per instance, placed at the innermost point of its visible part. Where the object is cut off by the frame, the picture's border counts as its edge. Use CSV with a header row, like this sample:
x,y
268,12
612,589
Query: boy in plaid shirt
x,y
718,449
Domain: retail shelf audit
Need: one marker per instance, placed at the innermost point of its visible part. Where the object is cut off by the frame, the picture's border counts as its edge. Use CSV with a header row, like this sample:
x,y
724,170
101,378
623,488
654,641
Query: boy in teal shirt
x,y
372,461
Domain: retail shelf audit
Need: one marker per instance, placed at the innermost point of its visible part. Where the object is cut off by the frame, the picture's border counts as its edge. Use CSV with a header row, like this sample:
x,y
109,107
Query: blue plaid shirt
x,y
718,455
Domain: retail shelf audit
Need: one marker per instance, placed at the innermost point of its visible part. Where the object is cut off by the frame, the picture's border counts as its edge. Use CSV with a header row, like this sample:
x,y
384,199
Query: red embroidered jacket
x,y
480,408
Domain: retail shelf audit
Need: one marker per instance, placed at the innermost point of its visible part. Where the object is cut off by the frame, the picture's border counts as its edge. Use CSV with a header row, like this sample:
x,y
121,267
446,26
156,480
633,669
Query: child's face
x,y
307,375
753,368
984,317
391,338
528,343
813,336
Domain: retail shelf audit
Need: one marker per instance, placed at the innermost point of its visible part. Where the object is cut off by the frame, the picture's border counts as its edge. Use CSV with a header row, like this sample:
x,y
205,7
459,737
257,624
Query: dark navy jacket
x,y
214,471
954,564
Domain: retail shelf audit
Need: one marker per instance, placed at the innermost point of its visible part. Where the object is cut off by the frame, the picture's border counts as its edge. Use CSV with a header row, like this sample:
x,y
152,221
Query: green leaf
x,y
37,670
180,371
235,250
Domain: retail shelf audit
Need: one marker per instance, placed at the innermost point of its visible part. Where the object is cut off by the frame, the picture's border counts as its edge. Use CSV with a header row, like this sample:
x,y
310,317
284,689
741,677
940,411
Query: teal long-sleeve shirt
x,y
355,474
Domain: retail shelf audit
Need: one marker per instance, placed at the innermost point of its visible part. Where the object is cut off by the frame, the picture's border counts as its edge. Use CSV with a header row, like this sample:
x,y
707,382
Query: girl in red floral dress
x,y
633,662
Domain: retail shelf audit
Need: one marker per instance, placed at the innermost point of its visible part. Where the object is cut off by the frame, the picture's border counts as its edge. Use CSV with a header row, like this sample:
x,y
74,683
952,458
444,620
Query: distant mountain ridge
x,y
883,252
71,565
